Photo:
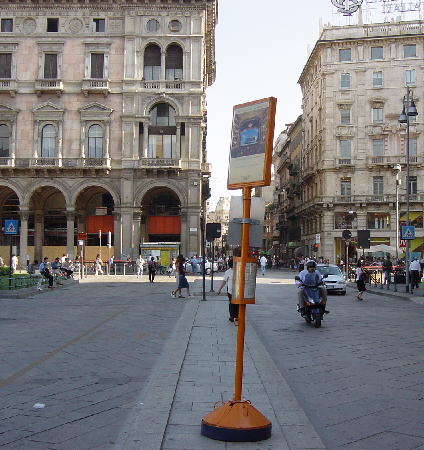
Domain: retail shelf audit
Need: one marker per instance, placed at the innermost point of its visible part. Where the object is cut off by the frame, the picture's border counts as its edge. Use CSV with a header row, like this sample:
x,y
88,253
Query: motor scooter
x,y
314,308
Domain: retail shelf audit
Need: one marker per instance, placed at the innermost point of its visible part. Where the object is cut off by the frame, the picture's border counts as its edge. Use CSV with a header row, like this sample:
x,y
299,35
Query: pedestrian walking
x,y
1,262
387,267
228,280
414,270
151,266
360,280
263,261
139,263
181,277
98,265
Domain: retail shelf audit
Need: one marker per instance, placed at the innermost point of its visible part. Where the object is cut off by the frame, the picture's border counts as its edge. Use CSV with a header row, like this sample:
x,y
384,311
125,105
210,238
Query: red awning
x,y
164,225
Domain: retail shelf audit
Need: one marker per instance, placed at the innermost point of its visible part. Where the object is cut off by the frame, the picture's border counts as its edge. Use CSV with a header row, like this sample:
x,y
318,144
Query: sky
x,y
261,49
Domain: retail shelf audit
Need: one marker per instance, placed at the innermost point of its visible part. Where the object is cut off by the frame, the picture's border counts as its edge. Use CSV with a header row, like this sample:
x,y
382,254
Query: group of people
x,y
59,266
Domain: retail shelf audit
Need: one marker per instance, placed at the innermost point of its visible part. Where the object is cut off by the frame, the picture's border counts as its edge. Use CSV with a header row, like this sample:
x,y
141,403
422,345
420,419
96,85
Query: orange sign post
x,y
238,420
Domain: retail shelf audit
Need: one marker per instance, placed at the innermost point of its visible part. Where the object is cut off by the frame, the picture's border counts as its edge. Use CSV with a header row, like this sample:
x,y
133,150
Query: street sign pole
x,y
10,261
213,249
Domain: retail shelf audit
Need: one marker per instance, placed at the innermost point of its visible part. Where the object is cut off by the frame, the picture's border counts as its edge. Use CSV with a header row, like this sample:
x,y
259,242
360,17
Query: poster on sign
x,y
251,144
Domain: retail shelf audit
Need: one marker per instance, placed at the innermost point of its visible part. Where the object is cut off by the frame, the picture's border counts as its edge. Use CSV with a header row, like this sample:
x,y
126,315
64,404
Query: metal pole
x,y
212,245
408,187
397,217
10,262
202,237
247,193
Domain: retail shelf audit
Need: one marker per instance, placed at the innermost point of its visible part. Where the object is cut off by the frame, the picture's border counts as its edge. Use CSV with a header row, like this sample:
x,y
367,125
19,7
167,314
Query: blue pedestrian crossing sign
x,y
408,232
11,226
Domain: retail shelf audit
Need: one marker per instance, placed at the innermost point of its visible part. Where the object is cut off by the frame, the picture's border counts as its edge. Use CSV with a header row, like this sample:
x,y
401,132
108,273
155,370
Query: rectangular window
x,y
345,54
345,81
413,150
377,185
50,65
376,52
162,146
98,25
377,147
5,65
377,79
409,51
152,73
377,115
97,65
378,221
410,77
6,25
412,185
345,148
52,25
345,188
345,116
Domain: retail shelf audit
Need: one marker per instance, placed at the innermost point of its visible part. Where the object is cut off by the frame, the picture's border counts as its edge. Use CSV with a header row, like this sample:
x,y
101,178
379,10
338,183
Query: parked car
x,y
335,280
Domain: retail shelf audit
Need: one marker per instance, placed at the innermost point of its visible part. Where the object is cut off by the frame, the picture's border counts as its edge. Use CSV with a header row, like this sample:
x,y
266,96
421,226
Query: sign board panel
x,y
249,281
252,144
318,238
408,232
11,226
402,243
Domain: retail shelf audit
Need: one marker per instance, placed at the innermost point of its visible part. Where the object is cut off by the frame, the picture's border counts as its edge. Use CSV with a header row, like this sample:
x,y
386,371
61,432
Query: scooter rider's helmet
x,y
312,264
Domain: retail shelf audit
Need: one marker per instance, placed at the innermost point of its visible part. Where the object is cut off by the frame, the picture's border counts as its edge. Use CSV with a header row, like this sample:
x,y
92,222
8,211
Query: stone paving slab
x,y
200,355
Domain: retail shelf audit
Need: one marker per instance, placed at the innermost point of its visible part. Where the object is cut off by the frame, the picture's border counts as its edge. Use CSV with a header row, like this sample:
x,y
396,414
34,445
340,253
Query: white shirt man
x,y
415,265
139,262
14,262
228,280
414,269
263,262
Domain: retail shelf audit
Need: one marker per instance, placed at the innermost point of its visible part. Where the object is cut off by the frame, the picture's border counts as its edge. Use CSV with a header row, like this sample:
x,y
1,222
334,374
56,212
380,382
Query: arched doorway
x,y
161,209
9,209
94,209
47,225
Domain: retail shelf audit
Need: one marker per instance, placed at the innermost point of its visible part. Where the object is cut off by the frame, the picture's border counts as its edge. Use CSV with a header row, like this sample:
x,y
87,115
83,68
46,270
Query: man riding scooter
x,y
306,274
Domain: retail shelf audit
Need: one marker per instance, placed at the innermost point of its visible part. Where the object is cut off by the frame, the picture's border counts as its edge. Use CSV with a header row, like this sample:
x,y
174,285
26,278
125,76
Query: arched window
x,y
162,132
48,141
174,62
95,141
4,141
152,62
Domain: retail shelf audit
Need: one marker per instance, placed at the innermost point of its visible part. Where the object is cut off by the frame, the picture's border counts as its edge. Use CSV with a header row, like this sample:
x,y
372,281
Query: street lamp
x,y
398,169
409,110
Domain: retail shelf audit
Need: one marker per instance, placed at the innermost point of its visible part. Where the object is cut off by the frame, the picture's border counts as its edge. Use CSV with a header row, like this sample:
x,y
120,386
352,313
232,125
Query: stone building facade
x,y
353,86
103,123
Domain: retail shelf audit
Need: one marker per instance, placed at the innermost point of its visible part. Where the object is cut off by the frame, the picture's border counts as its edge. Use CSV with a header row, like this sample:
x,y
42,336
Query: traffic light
x,y
213,231
315,247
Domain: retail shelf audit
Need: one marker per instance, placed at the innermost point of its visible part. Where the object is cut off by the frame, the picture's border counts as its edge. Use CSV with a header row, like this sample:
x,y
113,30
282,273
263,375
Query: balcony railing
x,y
7,162
95,85
206,167
7,85
394,159
45,162
345,162
163,163
48,85
164,84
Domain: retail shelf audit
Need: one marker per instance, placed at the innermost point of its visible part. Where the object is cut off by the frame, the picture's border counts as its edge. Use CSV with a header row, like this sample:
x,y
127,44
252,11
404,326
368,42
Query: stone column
x,y
70,233
163,65
145,153
136,232
127,230
362,219
184,239
38,235
106,140
23,237
117,235
178,146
